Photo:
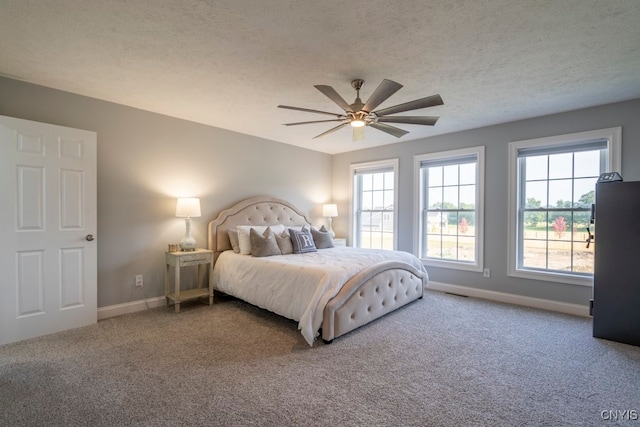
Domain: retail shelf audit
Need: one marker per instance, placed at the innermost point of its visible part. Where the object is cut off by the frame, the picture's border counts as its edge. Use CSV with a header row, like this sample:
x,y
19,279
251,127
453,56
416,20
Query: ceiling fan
x,y
360,114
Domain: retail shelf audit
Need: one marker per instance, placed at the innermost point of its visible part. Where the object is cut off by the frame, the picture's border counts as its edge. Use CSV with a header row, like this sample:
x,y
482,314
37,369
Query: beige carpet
x,y
441,361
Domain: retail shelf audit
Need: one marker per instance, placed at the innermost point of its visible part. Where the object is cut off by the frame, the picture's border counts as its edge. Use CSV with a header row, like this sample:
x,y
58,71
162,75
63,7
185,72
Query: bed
x,y
328,292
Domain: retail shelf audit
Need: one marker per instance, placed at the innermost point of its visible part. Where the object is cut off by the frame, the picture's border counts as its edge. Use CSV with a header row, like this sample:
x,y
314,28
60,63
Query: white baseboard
x,y
129,307
562,307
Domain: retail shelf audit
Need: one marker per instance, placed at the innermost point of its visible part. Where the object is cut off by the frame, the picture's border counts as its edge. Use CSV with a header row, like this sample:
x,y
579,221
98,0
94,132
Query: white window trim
x,y
614,138
363,167
417,205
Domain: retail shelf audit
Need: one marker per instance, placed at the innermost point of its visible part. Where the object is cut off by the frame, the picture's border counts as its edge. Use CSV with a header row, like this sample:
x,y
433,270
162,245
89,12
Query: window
x,y
449,214
374,202
553,182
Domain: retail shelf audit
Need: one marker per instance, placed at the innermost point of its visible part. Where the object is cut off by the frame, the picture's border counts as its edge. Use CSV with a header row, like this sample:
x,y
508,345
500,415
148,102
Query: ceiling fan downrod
x,y
357,85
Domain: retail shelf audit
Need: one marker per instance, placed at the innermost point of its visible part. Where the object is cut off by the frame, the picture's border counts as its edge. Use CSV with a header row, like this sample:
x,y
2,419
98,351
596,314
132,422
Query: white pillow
x,y
244,235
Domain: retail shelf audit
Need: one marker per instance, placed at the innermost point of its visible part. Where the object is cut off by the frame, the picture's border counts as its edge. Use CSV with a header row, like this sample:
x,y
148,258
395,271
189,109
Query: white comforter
x,y
297,286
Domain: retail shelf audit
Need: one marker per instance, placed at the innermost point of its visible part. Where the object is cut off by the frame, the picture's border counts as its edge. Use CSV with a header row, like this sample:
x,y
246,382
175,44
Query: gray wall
x,y
146,160
496,140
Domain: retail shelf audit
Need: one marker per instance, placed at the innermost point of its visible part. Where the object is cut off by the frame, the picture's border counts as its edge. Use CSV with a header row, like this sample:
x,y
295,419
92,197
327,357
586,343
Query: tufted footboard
x,y
370,294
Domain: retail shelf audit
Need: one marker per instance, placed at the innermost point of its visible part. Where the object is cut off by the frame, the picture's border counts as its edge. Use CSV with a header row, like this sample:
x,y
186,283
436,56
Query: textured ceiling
x,y
229,63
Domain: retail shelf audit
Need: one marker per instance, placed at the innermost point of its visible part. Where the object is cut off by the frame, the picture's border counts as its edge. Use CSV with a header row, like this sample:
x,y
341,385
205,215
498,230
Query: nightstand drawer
x,y
188,258
194,259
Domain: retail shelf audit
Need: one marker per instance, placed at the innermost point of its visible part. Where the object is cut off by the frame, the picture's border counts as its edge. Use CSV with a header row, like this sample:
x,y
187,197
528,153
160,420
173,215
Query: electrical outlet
x,y
139,280
487,272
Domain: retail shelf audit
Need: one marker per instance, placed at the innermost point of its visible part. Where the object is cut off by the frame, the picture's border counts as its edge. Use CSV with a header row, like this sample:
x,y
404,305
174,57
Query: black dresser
x,y
616,286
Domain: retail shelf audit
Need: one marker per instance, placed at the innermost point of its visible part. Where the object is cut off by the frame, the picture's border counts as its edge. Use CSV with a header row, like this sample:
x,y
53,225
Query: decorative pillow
x,y
284,243
322,238
302,241
233,238
244,240
263,244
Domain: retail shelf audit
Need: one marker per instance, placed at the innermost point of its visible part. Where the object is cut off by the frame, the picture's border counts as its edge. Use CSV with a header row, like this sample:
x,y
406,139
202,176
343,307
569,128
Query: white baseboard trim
x,y
562,307
129,307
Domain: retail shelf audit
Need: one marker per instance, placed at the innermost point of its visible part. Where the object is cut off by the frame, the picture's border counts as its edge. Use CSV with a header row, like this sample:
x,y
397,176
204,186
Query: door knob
x,y
90,237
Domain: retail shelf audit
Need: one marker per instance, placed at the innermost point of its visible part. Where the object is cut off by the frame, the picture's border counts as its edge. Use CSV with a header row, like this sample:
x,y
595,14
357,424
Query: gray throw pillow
x,y
302,241
322,238
233,239
284,243
263,245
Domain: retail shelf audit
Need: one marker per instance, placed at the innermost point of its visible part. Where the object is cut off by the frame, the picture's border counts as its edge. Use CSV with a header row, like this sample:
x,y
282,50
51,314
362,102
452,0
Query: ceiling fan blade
x,y
391,130
335,97
410,120
429,101
309,111
382,92
331,130
358,134
314,121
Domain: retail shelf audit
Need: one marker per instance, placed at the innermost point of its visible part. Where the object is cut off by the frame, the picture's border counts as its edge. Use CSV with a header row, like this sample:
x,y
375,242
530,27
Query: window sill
x,y
430,262
552,277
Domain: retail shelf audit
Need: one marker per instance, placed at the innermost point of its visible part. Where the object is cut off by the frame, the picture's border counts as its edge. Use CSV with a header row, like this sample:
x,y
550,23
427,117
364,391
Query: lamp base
x,y
188,243
331,232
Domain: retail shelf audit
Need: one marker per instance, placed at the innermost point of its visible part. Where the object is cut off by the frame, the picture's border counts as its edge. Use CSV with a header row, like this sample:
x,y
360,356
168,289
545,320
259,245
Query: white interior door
x,y
48,259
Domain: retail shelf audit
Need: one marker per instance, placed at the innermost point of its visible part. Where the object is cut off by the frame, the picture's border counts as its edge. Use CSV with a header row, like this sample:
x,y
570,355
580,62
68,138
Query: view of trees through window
x,y
375,209
450,216
555,210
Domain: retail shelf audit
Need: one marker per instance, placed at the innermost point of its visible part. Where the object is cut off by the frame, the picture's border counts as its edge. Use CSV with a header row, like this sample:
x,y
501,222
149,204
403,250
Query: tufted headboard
x,y
261,210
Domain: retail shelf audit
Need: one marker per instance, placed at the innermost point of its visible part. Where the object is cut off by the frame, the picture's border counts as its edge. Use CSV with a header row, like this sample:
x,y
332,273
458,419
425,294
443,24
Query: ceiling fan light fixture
x,y
358,119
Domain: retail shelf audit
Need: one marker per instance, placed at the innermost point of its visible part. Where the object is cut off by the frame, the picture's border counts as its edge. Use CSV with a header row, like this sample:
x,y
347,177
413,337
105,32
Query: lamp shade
x,y
188,207
330,210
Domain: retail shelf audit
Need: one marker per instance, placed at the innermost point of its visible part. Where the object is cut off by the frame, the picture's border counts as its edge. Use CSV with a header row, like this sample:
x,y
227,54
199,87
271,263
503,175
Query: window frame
x,y
479,152
613,136
365,167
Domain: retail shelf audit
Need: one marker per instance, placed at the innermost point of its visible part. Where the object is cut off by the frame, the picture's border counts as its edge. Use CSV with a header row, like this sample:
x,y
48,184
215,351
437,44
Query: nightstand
x,y
199,257
338,242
